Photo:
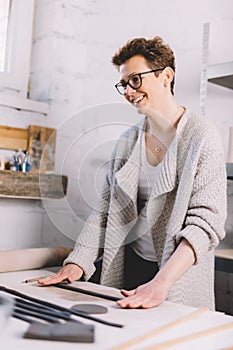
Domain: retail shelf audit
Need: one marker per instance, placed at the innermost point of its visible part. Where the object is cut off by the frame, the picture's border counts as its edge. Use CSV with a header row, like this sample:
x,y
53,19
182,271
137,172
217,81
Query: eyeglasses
x,y
135,81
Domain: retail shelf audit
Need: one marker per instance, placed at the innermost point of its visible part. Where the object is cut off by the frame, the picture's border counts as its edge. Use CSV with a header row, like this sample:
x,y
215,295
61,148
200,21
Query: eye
x,y
122,84
135,80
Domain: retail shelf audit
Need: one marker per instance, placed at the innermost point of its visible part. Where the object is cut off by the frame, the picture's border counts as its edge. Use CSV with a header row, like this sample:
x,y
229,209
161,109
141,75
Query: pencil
x,y
33,279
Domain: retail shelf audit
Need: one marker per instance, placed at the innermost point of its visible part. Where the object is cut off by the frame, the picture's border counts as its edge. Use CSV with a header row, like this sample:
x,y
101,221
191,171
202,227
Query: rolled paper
x,y
1,164
230,146
32,258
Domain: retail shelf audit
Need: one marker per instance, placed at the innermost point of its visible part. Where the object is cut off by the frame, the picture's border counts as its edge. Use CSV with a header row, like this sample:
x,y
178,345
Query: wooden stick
x,y
161,329
190,337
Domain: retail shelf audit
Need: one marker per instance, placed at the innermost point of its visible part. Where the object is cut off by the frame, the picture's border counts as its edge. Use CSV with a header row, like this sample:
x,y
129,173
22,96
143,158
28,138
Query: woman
x,y
163,204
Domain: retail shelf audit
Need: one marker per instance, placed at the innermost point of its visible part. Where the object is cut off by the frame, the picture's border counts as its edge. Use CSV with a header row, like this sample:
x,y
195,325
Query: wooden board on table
x,y
13,138
41,148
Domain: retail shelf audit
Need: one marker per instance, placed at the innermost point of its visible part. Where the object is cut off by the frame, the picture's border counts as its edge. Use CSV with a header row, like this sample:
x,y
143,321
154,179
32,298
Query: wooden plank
x,y
190,337
31,258
224,253
139,339
41,148
13,138
32,185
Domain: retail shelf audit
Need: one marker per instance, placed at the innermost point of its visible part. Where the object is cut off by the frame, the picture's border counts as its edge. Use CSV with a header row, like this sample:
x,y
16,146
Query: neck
x,y
164,121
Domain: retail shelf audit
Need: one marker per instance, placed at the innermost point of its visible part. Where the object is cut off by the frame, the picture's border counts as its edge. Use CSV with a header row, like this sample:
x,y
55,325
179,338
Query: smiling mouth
x,y
137,100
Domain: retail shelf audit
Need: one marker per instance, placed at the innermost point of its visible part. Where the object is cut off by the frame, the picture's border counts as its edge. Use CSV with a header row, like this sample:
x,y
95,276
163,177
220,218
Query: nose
x,y
129,90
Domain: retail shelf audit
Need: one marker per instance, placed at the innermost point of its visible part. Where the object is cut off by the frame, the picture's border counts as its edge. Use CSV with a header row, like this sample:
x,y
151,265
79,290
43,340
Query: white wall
x,y
74,41
20,220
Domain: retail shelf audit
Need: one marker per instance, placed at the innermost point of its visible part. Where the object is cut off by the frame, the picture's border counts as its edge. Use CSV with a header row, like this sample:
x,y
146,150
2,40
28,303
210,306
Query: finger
x,y
53,279
131,301
143,302
139,299
148,305
127,292
69,275
73,277
131,304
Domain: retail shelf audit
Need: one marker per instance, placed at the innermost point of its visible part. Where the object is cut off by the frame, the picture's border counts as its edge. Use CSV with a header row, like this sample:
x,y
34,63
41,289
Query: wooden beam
x,y
41,147
13,138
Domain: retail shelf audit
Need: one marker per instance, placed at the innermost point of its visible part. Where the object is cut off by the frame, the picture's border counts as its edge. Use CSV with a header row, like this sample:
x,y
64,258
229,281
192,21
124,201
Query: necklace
x,y
157,148
154,146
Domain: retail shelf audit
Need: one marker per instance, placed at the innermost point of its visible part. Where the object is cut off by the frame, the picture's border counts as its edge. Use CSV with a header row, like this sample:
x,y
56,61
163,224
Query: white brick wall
x,y
74,41
85,35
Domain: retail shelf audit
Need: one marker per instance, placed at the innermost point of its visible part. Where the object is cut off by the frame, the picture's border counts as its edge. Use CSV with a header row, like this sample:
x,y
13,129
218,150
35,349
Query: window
x,y
16,28
4,20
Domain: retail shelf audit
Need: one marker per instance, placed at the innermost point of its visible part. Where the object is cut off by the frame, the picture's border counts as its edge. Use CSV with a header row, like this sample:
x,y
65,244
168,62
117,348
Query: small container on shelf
x,y
15,165
20,159
26,166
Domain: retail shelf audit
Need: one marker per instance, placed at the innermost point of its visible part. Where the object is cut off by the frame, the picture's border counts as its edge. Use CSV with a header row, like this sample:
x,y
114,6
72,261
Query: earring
x,y
165,83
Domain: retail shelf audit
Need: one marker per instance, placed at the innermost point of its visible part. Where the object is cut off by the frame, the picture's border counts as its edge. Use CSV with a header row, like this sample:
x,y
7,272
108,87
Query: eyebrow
x,y
129,76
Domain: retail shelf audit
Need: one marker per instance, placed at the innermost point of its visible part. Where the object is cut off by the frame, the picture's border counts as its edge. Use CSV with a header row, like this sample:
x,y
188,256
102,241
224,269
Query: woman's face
x,y
151,93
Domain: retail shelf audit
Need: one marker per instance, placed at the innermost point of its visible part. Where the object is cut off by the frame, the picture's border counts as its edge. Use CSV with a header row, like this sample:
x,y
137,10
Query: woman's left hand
x,y
145,296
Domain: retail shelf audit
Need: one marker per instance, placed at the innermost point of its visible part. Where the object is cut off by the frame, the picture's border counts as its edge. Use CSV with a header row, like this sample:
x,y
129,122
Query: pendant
x,y
157,149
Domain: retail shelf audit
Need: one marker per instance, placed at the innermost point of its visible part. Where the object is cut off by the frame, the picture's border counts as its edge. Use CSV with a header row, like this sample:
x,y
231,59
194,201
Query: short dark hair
x,y
157,53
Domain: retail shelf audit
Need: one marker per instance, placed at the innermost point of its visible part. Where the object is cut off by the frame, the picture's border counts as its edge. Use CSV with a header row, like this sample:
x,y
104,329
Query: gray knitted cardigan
x,y
188,200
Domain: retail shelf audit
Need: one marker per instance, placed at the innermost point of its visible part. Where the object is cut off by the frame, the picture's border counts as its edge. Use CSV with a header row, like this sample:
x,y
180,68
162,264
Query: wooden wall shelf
x,y
32,185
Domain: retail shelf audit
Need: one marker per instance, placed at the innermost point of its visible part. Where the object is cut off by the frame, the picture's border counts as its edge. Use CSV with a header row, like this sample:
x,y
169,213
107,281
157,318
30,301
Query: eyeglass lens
x,y
134,82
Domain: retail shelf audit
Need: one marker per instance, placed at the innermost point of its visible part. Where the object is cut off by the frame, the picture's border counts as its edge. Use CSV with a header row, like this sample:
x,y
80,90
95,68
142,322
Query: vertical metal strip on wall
x,y
205,54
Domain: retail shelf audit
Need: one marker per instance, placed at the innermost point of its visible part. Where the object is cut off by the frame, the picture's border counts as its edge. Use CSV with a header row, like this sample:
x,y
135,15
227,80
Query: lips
x,y
136,101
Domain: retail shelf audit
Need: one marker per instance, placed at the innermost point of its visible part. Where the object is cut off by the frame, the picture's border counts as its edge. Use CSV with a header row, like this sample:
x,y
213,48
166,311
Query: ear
x,y
168,75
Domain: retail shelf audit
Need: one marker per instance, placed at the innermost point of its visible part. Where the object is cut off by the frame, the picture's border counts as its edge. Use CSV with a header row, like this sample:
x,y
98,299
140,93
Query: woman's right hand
x,y
69,273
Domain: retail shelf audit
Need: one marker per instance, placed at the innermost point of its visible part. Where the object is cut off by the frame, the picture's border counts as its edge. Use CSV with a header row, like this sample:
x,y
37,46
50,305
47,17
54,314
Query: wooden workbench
x,y
136,322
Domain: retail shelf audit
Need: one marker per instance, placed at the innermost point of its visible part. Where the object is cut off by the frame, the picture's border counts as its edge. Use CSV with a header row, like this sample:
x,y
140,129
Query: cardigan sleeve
x,y
89,244
207,209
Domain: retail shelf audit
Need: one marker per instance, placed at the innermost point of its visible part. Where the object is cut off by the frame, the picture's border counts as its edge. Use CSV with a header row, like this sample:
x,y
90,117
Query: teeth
x,y
135,102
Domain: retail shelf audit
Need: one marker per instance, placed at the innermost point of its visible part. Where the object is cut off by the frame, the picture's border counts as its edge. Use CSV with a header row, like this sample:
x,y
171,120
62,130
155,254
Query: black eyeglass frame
x,y
124,85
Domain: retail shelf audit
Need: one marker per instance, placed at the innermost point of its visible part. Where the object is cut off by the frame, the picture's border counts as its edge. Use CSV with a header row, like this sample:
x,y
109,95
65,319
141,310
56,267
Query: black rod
x,y
58,307
51,312
43,307
21,317
88,292
36,315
